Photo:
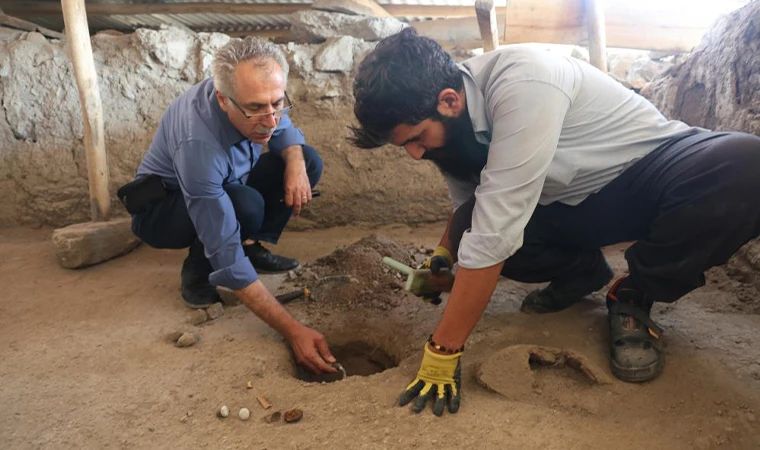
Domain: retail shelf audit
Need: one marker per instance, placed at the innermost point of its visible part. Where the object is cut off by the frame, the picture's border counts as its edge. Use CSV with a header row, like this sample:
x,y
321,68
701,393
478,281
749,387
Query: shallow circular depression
x,y
358,358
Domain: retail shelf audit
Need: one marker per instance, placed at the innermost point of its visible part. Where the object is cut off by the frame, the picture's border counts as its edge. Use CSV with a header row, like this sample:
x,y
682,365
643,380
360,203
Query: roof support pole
x,y
80,52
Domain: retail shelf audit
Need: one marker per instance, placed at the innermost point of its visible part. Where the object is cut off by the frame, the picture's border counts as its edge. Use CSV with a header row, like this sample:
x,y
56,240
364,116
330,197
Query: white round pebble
x,y
244,414
224,411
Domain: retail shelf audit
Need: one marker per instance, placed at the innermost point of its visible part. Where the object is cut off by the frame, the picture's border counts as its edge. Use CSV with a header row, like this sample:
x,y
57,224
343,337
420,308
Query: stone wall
x,y
42,167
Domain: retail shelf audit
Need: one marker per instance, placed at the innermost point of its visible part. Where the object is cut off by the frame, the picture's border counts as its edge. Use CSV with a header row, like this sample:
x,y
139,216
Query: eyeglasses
x,y
278,113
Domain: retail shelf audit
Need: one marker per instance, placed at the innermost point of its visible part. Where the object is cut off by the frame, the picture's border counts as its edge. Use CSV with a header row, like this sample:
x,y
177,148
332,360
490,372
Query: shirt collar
x,y
228,131
476,103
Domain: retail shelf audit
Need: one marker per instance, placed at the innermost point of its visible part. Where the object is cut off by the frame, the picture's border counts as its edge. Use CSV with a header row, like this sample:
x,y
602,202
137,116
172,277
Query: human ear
x,y
450,103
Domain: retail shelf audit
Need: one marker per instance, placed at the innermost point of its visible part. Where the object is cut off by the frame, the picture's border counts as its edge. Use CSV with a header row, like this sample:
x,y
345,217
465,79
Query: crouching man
x,y
205,184
548,160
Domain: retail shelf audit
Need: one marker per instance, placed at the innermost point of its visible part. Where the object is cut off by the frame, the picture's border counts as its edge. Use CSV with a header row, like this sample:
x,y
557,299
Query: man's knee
x,y
314,164
248,204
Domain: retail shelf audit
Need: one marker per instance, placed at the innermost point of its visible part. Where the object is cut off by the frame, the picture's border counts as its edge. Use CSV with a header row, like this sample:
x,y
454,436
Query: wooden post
x,y
486,14
597,34
78,40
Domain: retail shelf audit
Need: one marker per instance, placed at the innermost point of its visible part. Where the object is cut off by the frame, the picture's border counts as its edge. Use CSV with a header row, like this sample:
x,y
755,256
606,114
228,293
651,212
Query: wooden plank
x,y
485,12
268,34
34,9
354,7
24,9
80,49
597,34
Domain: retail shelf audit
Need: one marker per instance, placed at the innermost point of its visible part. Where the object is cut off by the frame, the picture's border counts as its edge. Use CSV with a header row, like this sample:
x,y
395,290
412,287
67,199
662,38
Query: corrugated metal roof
x,y
230,22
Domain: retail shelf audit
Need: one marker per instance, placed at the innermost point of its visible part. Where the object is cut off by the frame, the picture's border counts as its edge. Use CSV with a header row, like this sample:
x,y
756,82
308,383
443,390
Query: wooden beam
x,y
25,9
597,34
267,34
353,7
34,9
429,11
78,34
19,24
485,12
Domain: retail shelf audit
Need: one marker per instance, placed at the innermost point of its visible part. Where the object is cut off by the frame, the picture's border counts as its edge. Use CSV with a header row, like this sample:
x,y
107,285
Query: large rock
x,y
336,55
316,26
718,86
89,243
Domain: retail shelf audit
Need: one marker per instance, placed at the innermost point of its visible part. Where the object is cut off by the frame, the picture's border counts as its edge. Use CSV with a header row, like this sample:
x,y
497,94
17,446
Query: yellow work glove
x,y
441,259
439,377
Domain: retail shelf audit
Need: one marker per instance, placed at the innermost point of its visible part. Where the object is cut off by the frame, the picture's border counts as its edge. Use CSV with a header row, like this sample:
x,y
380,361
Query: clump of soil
x,y
355,275
737,290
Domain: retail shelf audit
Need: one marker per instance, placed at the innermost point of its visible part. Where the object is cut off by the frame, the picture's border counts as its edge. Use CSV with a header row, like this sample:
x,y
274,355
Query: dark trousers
x,y
258,206
689,205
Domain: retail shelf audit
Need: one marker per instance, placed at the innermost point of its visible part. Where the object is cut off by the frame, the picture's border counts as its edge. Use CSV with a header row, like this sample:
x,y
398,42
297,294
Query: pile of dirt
x,y
354,275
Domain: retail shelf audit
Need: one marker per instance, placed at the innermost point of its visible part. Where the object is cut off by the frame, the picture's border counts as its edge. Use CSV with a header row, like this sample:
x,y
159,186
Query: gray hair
x,y
240,50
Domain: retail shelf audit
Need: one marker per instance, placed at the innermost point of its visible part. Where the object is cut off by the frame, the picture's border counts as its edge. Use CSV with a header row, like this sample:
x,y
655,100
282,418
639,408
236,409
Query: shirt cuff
x,y
236,276
478,251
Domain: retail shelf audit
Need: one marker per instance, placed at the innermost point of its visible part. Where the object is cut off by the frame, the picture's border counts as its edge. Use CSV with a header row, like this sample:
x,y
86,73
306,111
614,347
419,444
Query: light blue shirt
x,y
558,130
198,150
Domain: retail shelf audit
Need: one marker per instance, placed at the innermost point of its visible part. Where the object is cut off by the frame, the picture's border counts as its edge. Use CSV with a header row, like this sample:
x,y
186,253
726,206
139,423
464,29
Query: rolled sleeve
x,y
285,135
527,118
201,169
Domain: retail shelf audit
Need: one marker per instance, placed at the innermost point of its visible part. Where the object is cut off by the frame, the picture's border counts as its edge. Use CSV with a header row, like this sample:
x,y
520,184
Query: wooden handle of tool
x,y
290,296
403,268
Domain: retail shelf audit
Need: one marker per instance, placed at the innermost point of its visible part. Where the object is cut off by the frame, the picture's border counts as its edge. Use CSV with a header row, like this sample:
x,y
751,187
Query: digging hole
x,y
357,358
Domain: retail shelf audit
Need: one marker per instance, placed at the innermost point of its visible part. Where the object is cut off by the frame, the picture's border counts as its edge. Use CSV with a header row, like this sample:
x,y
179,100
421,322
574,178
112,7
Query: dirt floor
x,y
86,362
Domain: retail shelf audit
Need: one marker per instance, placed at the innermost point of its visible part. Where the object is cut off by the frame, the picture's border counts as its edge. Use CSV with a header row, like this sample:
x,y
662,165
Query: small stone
x,y
293,416
223,412
174,336
215,311
292,275
244,414
187,340
249,385
198,317
274,417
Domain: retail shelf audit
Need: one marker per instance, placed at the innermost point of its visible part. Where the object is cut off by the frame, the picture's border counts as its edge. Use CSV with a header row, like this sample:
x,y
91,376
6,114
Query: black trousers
x,y
258,206
689,205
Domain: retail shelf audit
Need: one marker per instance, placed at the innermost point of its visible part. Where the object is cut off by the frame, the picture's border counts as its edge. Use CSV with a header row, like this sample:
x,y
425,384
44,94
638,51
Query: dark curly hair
x,y
398,83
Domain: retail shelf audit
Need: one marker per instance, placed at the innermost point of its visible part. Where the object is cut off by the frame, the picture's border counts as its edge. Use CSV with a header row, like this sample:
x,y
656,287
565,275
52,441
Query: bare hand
x,y
297,186
311,350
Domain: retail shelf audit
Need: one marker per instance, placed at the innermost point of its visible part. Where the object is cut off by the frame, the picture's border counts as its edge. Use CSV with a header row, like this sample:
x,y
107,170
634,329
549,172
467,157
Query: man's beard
x,y
461,156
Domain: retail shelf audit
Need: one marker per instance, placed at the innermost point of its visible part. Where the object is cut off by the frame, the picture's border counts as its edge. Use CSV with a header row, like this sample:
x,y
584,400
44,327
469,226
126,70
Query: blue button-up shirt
x,y
198,150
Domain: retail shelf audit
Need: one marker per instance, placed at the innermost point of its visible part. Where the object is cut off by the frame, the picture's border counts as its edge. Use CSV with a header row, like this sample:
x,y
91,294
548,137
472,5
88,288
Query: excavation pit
x,y
357,359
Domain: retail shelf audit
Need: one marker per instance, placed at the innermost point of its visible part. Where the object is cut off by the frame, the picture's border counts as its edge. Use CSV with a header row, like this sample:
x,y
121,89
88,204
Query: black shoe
x,y
265,261
561,294
197,292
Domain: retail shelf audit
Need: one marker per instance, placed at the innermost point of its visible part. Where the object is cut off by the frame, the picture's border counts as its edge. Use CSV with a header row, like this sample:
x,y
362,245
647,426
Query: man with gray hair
x,y
205,184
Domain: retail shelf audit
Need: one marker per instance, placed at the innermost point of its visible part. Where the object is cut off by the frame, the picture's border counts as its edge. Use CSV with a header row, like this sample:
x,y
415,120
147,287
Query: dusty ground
x,y
85,363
